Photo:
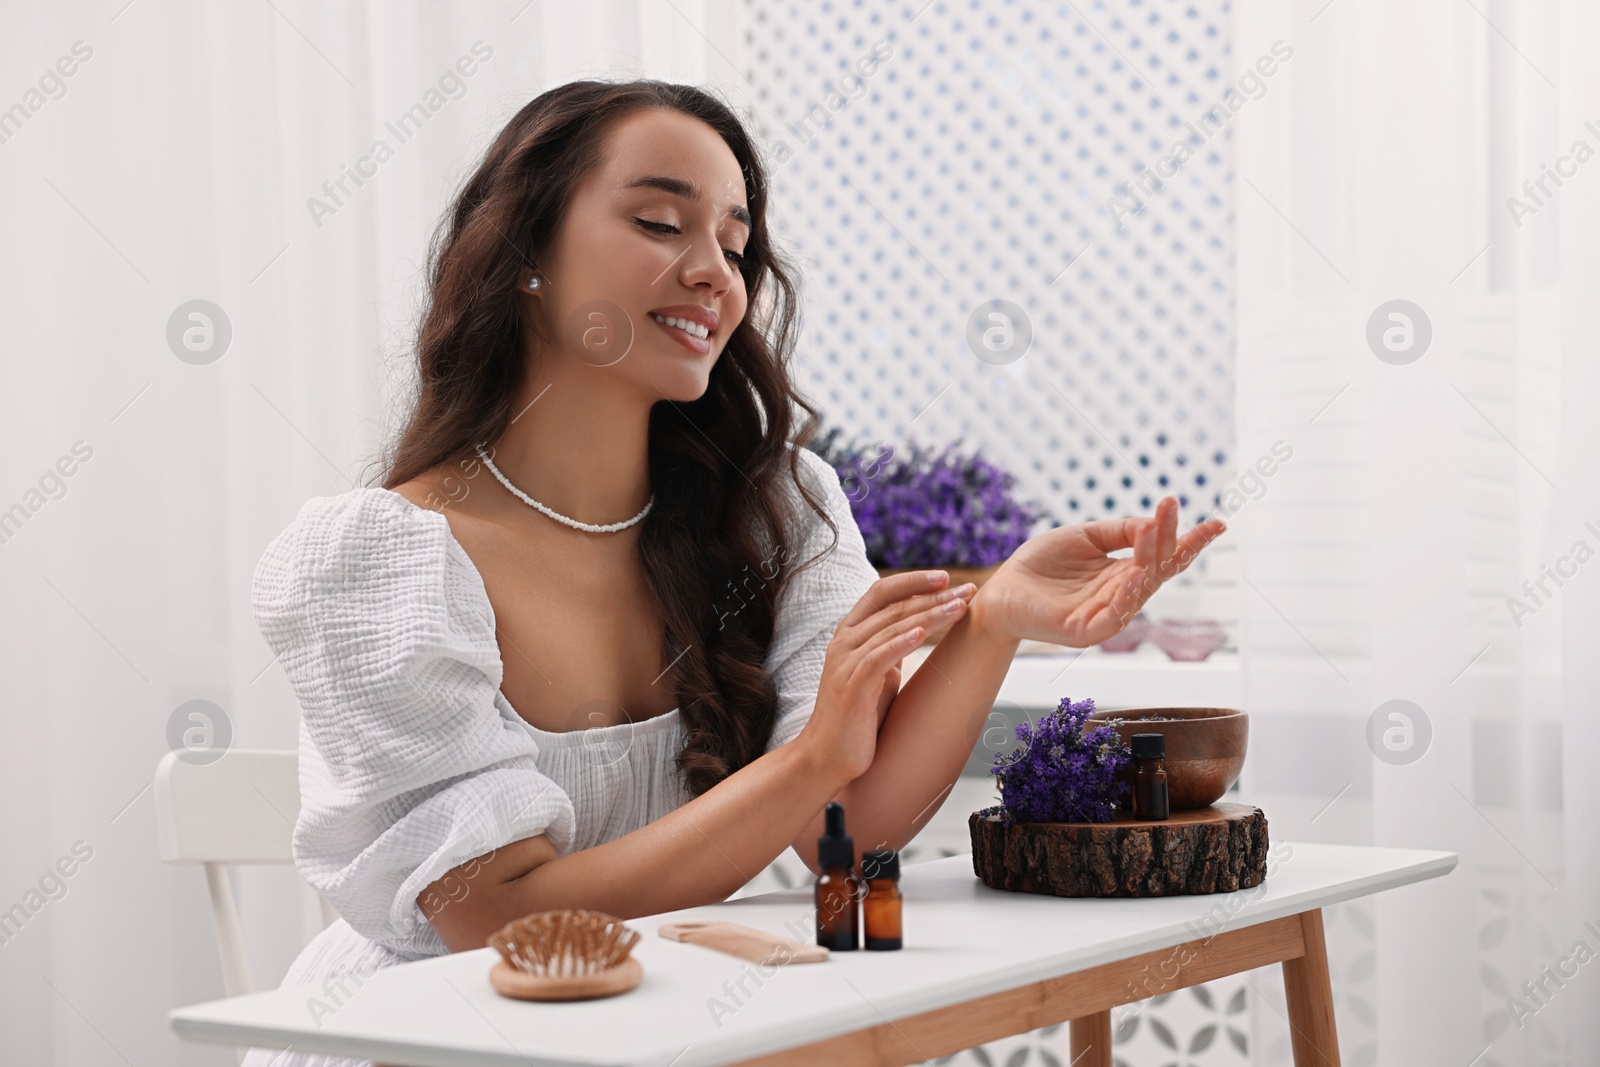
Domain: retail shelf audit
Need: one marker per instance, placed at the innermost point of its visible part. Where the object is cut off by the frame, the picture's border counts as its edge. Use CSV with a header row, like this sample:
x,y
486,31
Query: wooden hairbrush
x,y
567,954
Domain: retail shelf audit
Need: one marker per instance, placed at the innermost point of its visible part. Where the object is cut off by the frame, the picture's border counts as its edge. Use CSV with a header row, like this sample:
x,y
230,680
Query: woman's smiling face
x,y
656,231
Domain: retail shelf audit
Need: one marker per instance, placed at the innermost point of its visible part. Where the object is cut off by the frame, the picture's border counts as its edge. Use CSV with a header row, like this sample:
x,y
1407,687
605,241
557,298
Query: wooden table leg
x,y
1310,996
1091,1034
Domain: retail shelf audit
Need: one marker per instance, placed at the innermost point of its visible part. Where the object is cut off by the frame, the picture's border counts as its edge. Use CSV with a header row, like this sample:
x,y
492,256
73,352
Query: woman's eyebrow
x,y
686,189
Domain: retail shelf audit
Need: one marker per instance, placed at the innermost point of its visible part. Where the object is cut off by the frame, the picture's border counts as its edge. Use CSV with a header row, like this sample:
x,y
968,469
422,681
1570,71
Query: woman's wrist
x,y
979,641
816,765
981,624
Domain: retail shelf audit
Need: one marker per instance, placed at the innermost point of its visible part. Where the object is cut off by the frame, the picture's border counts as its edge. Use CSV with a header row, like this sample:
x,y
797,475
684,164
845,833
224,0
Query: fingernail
x,y
954,605
933,576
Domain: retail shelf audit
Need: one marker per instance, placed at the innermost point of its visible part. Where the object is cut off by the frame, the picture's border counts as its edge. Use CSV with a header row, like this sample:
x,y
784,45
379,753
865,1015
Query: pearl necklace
x,y
589,527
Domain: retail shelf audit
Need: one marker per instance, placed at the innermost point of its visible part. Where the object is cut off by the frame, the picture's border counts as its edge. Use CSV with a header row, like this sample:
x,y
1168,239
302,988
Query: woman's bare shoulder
x,y
447,491
423,491
437,489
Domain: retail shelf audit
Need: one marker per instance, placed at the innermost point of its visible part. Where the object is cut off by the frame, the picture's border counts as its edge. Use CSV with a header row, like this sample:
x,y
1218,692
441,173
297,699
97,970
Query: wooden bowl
x,y
1205,749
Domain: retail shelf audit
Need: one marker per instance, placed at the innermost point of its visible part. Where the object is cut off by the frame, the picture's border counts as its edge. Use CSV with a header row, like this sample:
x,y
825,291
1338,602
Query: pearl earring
x,y
533,281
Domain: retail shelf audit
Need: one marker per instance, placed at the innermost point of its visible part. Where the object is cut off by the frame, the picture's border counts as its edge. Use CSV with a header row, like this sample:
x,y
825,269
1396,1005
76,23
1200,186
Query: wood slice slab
x,y
1207,850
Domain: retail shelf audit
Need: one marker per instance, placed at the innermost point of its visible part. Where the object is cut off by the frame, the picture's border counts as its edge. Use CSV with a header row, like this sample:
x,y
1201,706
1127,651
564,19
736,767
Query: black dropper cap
x,y
880,863
835,848
1149,746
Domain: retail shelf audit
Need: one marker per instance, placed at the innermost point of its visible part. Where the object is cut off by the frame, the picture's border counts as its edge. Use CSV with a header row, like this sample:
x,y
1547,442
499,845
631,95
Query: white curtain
x,y
178,161
1385,561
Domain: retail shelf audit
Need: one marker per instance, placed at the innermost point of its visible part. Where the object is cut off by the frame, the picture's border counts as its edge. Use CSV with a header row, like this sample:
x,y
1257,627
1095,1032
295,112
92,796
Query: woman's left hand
x,y
1062,586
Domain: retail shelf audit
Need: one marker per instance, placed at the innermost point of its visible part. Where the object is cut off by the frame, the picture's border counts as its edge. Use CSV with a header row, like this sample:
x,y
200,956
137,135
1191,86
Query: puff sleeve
x,y
411,761
811,605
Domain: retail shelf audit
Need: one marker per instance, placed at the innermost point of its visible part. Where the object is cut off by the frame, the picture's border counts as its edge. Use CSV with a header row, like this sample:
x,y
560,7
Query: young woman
x,y
606,636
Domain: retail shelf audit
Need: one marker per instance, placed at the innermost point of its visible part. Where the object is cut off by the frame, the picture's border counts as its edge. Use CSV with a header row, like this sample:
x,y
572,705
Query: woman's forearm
x,y
928,734
696,854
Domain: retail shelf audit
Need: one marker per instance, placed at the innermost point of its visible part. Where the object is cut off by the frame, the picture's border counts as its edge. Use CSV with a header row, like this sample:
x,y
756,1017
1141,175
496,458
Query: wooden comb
x,y
745,942
567,954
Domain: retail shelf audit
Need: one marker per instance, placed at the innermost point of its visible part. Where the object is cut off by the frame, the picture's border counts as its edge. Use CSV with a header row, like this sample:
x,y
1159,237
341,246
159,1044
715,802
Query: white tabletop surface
x,y
962,940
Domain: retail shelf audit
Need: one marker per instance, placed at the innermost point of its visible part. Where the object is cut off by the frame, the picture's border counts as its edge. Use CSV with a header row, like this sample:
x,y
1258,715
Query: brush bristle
x,y
569,941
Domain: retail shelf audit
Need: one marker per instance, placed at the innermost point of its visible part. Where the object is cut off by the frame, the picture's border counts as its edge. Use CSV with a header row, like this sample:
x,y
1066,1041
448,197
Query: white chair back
x,y
240,808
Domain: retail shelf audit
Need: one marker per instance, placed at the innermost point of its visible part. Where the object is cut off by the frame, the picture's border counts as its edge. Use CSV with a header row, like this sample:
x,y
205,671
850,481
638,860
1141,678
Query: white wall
x,y
177,165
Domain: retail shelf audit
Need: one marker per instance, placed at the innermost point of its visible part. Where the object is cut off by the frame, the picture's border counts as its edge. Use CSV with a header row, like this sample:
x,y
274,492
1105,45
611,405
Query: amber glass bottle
x,y
1149,776
838,890
880,908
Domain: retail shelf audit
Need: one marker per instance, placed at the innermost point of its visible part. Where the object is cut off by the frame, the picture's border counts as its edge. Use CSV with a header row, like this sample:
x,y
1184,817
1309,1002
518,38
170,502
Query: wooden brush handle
x,y
745,942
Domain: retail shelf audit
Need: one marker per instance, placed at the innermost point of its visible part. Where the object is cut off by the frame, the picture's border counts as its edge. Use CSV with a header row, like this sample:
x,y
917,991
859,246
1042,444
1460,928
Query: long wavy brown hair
x,y
718,464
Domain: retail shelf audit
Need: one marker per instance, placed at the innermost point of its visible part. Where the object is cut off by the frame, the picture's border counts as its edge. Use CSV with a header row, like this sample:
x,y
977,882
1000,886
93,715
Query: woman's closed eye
x,y
737,257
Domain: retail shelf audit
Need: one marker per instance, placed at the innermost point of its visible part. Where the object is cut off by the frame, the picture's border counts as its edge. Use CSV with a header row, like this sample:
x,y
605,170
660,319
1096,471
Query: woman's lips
x,y
699,346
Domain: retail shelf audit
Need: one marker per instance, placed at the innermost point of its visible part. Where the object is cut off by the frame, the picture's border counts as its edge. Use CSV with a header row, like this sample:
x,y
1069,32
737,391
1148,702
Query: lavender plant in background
x,y
1060,773
928,507
857,465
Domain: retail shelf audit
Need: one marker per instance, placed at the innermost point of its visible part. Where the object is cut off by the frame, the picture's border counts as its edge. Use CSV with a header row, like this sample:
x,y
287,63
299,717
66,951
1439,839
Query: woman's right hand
x,y
886,624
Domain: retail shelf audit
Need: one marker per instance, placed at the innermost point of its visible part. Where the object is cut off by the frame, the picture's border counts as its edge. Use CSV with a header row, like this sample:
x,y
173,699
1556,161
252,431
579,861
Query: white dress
x,y
412,761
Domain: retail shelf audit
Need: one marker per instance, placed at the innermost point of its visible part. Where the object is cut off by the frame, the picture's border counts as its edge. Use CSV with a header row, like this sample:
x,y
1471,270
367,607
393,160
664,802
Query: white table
x,y
979,964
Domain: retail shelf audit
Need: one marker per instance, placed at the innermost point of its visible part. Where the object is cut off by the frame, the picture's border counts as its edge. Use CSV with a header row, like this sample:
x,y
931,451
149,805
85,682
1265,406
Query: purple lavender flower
x,y
928,508
1061,773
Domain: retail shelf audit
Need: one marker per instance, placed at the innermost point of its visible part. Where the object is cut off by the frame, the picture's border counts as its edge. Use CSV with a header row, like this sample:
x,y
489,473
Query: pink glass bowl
x,y
1127,639
1189,640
